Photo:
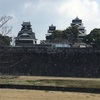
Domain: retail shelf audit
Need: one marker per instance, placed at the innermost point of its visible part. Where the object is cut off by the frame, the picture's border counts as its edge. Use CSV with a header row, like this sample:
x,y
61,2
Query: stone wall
x,y
47,61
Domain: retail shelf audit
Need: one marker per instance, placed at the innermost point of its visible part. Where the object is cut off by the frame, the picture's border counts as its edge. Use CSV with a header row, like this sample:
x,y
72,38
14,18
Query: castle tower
x,y
51,29
78,22
25,37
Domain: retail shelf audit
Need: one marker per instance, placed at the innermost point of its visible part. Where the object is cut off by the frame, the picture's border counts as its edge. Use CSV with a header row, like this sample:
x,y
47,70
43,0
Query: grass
x,y
66,83
51,81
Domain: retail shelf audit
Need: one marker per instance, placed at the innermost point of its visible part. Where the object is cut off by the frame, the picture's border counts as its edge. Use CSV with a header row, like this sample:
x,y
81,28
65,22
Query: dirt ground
x,y
13,94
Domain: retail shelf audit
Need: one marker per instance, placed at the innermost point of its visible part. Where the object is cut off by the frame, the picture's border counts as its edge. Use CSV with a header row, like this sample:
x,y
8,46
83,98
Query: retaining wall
x,y
47,61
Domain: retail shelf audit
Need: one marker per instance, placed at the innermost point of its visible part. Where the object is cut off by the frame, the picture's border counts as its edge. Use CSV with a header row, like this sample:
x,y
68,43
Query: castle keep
x,y
25,37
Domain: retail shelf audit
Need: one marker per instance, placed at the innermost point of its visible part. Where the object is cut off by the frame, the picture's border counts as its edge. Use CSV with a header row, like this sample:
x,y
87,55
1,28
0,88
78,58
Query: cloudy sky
x,y
43,13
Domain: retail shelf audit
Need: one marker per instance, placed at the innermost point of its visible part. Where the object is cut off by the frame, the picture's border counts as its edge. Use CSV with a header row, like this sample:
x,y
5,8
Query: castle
x,y
82,32
28,58
26,37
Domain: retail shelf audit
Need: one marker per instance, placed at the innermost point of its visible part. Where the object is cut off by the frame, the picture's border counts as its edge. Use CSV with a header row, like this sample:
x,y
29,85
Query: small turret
x,y
52,28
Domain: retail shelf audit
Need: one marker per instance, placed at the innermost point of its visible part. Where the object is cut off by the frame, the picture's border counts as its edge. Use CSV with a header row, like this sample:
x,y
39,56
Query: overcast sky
x,y
43,13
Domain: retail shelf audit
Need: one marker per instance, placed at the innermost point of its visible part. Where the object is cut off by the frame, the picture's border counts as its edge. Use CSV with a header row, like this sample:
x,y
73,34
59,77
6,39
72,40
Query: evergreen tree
x,y
93,37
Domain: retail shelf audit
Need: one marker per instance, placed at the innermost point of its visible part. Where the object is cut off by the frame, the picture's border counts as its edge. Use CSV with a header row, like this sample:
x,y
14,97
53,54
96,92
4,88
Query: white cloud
x,y
88,10
27,5
84,8
42,13
31,7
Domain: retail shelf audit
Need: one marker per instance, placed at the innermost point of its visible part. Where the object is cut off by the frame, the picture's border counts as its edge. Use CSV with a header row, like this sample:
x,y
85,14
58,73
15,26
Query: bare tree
x,y
4,28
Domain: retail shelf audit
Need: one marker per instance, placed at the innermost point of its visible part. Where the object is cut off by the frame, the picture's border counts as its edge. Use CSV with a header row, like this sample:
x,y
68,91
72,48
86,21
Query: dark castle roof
x,y
76,20
26,24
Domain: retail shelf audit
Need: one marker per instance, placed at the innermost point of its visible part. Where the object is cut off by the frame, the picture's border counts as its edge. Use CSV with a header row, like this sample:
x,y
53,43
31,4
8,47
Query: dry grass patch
x,y
13,94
